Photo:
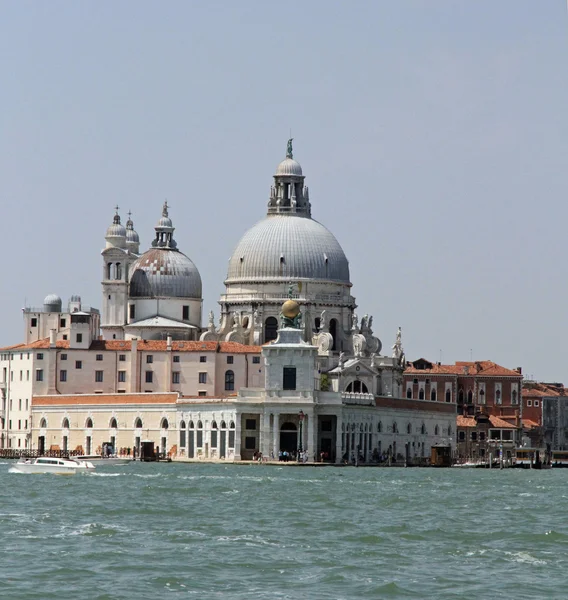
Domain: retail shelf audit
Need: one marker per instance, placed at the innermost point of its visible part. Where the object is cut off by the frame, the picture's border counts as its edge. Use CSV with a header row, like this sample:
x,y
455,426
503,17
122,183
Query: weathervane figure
x,y
289,149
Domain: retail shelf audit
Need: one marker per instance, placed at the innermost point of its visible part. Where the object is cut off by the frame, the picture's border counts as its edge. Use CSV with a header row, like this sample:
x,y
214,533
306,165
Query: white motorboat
x,y
99,460
48,464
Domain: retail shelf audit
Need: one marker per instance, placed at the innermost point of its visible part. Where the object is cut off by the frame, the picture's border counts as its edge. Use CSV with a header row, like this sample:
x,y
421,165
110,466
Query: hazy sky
x,y
433,135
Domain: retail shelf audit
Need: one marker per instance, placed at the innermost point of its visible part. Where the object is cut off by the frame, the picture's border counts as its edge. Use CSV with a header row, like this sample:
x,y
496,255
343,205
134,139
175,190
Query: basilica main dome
x,y
288,245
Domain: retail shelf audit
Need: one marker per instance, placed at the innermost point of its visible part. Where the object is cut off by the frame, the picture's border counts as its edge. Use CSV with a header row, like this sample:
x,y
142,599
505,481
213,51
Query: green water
x,y
148,531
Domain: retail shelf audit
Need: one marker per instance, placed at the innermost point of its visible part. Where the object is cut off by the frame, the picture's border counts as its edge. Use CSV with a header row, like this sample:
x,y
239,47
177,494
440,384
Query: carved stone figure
x,y
324,341
359,343
289,153
354,321
341,359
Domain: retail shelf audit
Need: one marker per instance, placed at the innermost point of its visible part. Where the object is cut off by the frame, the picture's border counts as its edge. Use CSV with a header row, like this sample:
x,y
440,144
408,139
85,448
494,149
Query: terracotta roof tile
x,y
83,399
529,424
148,346
480,368
496,422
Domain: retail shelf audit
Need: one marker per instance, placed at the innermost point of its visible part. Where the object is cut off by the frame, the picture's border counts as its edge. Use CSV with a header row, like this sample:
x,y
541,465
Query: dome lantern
x,y
116,233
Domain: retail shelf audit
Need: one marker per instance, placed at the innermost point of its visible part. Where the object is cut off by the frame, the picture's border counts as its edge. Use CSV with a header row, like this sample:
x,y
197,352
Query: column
x,y
238,440
310,443
276,436
338,436
265,435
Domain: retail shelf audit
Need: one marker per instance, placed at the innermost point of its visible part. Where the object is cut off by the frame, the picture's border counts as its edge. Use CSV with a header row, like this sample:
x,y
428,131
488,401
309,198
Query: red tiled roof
x,y
529,424
532,389
148,346
480,368
78,399
495,422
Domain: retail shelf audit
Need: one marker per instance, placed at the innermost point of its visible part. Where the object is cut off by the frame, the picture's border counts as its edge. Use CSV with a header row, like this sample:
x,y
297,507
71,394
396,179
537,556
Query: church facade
x,y
317,379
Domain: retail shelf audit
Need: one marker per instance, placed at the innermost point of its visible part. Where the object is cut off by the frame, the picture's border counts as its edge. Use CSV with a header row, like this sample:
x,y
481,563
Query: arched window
x,y
380,427
514,397
394,427
498,396
482,396
199,425
409,393
65,423
366,428
436,430
113,423
231,425
409,428
229,381
270,329
118,272
214,425
223,425
182,425
470,397
89,423
461,436
421,394
357,387
449,430
43,423
448,395
109,270
433,394
423,429
333,331
164,424
182,434
460,396
191,425
214,434
138,423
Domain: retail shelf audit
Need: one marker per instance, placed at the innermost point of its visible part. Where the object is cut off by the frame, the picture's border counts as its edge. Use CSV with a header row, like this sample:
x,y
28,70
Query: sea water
x,y
149,531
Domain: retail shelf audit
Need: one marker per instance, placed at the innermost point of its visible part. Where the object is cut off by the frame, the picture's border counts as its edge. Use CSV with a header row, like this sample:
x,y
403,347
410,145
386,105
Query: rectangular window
x,y
202,377
250,424
20,404
79,338
231,438
185,313
62,322
176,358
529,402
175,377
289,378
256,360
34,322
27,375
62,375
26,424
122,376
64,336
122,357
202,359
201,393
39,375
40,356
27,404
21,375
250,443
19,423
64,357
78,364
132,311
229,360
149,376
149,359
98,376
536,403
99,356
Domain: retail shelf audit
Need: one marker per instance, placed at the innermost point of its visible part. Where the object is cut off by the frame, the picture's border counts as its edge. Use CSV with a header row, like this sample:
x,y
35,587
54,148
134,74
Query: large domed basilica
x,y
287,254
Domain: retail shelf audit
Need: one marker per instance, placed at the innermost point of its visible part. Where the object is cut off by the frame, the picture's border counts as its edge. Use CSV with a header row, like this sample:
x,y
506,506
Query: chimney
x,y
520,370
169,343
52,338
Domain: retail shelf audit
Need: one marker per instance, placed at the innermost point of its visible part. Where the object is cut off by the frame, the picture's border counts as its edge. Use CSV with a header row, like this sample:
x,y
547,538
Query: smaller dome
x,y
289,166
52,303
164,222
116,229
52,299
132,237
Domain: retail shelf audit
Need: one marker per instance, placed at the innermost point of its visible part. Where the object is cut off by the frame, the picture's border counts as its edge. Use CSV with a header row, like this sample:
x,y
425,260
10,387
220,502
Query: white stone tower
x,y
120,252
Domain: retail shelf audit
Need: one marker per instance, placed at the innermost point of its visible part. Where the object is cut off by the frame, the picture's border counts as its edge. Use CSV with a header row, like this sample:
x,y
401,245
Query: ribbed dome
x,y
164,273
132,236
164,222
52,299
116,230
289,167
288,247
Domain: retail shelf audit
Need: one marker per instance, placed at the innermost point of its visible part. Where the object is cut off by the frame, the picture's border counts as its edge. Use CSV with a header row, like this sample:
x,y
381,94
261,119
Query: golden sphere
x,y
290,309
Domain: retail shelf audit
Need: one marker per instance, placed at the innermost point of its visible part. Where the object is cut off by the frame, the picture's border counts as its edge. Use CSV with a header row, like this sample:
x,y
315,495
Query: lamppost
x,y
300,446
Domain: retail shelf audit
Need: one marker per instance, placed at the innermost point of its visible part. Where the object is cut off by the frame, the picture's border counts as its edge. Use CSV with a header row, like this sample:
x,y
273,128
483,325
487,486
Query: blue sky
x,y
433,136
